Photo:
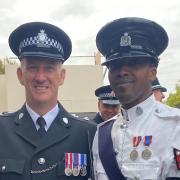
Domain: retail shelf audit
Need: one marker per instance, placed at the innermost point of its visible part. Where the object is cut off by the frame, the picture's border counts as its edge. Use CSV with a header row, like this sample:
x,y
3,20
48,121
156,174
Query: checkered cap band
x,y
44,42
104,95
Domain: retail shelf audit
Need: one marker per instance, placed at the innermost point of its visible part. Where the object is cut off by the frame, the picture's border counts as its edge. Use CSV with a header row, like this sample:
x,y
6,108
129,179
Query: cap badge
x,y
42,39
125,40
42,36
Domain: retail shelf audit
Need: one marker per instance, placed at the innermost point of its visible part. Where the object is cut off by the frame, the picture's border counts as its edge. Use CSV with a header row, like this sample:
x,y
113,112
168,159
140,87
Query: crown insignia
x,y
42,36
125,40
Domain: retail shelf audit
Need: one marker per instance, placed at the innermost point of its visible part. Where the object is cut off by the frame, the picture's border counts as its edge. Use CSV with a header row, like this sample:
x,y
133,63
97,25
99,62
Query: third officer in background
x,y
141,141
108,104
158,90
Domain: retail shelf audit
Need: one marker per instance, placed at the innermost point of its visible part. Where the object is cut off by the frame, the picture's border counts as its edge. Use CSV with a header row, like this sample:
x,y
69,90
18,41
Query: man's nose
x,y
40,75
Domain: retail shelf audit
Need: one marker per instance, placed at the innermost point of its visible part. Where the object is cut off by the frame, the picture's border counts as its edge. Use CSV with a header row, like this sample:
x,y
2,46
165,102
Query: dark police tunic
x,y
98,119
26,156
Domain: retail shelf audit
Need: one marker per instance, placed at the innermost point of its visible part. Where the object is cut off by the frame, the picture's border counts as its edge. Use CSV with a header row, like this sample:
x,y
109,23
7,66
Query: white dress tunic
x,y
149,120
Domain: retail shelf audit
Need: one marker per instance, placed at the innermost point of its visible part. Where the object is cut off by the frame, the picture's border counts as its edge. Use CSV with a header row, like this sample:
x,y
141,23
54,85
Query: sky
x,y
82,19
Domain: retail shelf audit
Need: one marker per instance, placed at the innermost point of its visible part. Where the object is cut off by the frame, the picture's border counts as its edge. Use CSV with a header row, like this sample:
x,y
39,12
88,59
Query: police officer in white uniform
x,y
139,143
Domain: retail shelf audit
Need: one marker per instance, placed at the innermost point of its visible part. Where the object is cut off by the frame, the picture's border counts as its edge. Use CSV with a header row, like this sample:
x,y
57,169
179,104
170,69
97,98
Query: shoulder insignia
x,y
6,114
167,112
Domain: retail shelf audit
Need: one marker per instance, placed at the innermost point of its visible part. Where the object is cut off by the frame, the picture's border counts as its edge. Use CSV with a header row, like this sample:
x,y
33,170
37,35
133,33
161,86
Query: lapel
x,y
58,131
25,127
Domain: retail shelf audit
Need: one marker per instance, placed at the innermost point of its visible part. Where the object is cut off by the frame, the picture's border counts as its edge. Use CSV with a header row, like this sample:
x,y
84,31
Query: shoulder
x,y
6,115
166,112
81,123
7,118
108,122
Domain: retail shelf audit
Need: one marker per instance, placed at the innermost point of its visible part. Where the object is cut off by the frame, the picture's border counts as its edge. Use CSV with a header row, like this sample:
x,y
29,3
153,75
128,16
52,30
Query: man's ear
x,y
153,73
62,76
20,76
99,103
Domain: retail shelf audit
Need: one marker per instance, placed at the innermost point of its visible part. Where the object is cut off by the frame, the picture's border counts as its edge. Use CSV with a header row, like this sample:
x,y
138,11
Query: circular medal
x,y
75,171
68,171
133,155
146,154
83,171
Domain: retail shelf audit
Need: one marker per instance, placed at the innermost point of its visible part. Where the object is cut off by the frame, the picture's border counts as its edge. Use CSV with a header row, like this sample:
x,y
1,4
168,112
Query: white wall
x,y
77,93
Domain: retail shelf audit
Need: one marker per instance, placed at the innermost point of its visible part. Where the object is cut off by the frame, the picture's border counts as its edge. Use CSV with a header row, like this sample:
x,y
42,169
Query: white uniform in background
x,y
149,122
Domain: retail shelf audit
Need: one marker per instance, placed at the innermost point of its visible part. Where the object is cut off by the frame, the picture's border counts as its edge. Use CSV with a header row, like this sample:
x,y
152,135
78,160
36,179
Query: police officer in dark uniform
x,y
108,104
141,142
42,141
158,90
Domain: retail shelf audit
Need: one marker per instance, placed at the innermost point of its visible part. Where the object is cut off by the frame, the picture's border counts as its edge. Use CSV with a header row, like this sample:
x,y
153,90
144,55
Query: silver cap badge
x,y
125,40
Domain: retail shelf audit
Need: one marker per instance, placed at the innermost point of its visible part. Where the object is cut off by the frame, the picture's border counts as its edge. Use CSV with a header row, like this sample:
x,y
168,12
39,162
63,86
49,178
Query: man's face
x,y
159,96
108,111
131,80
41,78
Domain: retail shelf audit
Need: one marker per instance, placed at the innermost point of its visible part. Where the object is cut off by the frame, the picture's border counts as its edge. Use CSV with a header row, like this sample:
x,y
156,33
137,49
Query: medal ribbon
x,y
75,160
68,160
83,160
136,140
147,140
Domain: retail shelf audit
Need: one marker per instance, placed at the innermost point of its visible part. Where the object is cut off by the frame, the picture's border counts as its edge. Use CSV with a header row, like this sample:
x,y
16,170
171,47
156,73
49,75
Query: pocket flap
x,y
11,165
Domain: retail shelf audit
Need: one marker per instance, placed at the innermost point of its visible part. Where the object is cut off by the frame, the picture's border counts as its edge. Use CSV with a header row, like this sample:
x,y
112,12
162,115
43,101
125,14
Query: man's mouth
x,y
41,88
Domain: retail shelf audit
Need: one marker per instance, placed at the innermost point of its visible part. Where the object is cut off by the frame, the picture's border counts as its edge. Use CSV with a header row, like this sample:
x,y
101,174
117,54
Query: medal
x,y
83,171
146,154
133,155
68,164
68,171
83,164
76,169
134,152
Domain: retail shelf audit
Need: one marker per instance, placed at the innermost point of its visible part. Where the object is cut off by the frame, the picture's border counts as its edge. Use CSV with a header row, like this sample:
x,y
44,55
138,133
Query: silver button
x,y
41,160
157,110
3,168
139,111
21,115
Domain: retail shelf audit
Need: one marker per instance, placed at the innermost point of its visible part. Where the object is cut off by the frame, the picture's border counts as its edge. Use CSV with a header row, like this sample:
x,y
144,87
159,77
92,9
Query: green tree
x,y
174,98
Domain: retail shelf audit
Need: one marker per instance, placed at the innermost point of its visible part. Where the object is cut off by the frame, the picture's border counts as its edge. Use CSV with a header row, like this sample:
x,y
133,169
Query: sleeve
x,y
174,166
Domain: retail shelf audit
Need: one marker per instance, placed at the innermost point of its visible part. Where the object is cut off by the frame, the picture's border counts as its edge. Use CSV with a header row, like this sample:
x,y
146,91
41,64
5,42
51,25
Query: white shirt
x,y
49,116
147,118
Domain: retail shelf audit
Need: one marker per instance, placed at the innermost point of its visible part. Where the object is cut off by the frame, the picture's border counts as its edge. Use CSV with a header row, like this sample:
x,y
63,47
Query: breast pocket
x,y
141,171
11,169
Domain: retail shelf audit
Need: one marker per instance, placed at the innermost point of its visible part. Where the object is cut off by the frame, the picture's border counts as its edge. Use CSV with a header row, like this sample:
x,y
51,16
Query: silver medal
x,y
83,171
133,155
146,154
68,171
76,171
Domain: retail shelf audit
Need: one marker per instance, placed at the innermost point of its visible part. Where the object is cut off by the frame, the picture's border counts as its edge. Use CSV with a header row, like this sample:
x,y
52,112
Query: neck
x,y
41,109
136,102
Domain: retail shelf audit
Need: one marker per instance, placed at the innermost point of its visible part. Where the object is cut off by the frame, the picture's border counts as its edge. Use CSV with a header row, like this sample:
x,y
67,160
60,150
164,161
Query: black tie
x,y
41,122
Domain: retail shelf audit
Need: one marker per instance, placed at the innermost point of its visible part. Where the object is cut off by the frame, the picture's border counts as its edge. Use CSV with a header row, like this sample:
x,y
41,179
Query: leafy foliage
x,y
174,98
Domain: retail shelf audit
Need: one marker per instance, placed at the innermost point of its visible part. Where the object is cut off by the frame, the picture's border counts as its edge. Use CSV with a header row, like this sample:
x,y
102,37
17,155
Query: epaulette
x,y
7,114
167,112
